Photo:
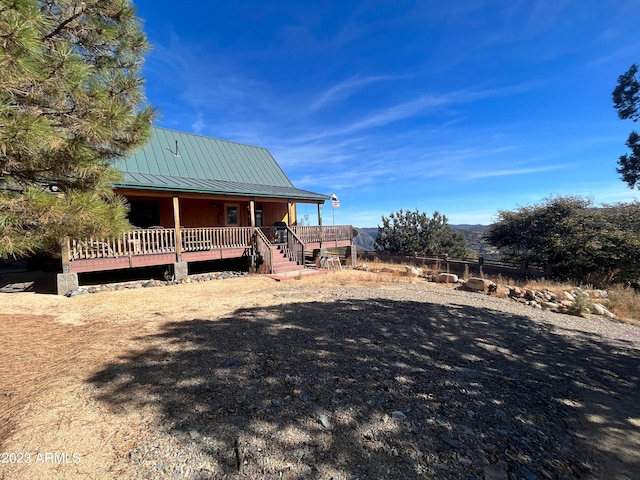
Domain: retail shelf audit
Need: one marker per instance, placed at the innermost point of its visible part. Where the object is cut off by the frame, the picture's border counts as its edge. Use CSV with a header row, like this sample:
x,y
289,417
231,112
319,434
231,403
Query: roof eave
x,y
315,197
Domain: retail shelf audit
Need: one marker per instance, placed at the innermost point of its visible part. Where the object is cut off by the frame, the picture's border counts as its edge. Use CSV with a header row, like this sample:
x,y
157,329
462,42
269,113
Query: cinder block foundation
x,y
181,270
67,282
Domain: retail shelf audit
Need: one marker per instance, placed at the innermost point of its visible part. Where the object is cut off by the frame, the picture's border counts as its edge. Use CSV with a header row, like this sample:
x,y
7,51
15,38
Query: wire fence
x,y
475,266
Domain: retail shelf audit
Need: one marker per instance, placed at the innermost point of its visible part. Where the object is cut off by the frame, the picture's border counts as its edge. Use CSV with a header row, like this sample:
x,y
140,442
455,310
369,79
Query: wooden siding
x,y
211,211
273,212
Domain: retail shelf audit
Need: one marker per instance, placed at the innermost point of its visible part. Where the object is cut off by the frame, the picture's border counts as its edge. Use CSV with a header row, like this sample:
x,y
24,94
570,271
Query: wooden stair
x,y
283,261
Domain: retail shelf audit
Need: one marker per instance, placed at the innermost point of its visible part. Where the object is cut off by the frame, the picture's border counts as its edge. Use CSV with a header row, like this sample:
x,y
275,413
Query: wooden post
x,y
289,213
320,223
65,250
252,213
176,221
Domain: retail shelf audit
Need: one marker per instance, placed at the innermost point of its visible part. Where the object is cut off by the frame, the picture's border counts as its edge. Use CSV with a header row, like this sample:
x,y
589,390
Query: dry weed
x,y
625,303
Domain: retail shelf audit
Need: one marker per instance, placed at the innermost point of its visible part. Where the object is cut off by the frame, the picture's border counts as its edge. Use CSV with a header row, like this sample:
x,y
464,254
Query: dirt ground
x,y
343,375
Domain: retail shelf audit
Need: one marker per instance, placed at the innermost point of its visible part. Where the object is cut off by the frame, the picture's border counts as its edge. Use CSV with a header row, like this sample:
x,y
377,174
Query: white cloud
x,y
344,89
198,125
515,171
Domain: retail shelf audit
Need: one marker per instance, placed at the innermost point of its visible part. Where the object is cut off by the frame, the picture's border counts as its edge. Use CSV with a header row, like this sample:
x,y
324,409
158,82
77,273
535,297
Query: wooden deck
x,y
161,246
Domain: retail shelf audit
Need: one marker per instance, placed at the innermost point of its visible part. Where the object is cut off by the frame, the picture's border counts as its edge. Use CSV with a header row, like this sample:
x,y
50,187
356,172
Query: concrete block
x,y
181,270
67,282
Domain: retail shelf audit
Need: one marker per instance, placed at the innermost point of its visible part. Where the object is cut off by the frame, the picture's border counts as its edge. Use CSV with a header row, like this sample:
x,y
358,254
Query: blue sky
x,y
465,107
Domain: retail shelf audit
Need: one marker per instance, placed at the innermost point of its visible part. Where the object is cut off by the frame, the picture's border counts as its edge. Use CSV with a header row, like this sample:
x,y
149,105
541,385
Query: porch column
x,y
320,222
176,221
289,223
66,281
252,213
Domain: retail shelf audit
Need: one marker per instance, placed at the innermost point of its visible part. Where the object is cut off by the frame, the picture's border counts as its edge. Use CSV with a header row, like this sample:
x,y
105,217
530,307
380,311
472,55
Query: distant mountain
x,y
473,233
366,237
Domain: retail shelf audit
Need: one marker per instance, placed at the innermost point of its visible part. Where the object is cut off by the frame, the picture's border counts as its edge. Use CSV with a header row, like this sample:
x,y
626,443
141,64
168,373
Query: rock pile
x,y
574,302
110,287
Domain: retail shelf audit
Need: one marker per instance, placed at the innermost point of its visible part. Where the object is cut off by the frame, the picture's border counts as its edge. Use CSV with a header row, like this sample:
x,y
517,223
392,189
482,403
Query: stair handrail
x,y
265,250
295,245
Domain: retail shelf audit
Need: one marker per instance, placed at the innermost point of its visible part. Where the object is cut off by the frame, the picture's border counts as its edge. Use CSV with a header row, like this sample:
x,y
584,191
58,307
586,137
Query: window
x,y
233,216
144,213
259,216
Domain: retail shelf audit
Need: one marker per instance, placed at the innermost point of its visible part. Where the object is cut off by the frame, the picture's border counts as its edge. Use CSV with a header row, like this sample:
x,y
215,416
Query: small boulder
x,y
413,271
447,278
516,292
550,305
478,284
598,309
398,416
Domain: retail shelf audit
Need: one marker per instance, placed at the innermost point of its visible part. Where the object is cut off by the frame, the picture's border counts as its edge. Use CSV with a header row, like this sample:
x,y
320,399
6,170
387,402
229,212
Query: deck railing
x,y
207,238
150,241
323,233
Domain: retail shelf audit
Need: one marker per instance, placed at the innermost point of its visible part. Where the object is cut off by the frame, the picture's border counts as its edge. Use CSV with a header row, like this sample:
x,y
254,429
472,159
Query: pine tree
x,y
626,100
71,100
414,232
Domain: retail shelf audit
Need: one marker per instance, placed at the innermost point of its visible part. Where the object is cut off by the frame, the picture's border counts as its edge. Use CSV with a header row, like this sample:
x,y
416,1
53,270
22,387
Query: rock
x,y
568,296
494,472
324,420
413,271
398,416
529,294
515,292
450,441
148,284
194,434
75,293
230,362
598,309
478,284
447,278
528,474
550,306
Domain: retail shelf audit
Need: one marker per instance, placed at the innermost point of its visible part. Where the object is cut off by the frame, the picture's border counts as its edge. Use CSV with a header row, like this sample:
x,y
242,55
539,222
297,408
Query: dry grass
x,y
624,302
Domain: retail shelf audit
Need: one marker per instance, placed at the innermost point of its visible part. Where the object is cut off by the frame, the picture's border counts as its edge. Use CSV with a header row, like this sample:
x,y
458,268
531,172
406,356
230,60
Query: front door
x,y
232,215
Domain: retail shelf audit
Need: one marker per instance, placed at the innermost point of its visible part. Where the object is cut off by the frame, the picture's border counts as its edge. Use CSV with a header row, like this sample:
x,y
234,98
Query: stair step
x,y
283,261
287,268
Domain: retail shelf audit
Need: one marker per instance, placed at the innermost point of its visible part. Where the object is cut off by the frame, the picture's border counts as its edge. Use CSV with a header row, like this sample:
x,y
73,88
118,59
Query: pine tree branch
x,y
66,22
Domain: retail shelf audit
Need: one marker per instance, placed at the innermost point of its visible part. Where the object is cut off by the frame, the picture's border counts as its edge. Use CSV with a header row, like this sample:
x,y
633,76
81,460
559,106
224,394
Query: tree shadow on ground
x,y
321,390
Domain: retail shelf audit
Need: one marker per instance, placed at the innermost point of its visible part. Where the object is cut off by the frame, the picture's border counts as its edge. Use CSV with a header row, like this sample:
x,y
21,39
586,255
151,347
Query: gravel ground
x,y
329,379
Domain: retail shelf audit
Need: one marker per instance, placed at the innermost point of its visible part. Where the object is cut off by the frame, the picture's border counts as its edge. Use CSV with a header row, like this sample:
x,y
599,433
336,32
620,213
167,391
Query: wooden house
x,y
195,198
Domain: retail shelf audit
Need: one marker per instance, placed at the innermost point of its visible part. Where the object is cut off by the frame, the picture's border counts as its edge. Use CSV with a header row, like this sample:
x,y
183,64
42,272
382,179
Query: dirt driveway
x,y
341,376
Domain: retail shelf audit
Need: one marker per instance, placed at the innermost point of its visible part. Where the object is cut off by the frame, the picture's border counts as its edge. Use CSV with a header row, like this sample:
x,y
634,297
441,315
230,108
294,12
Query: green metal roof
x,y
184,162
